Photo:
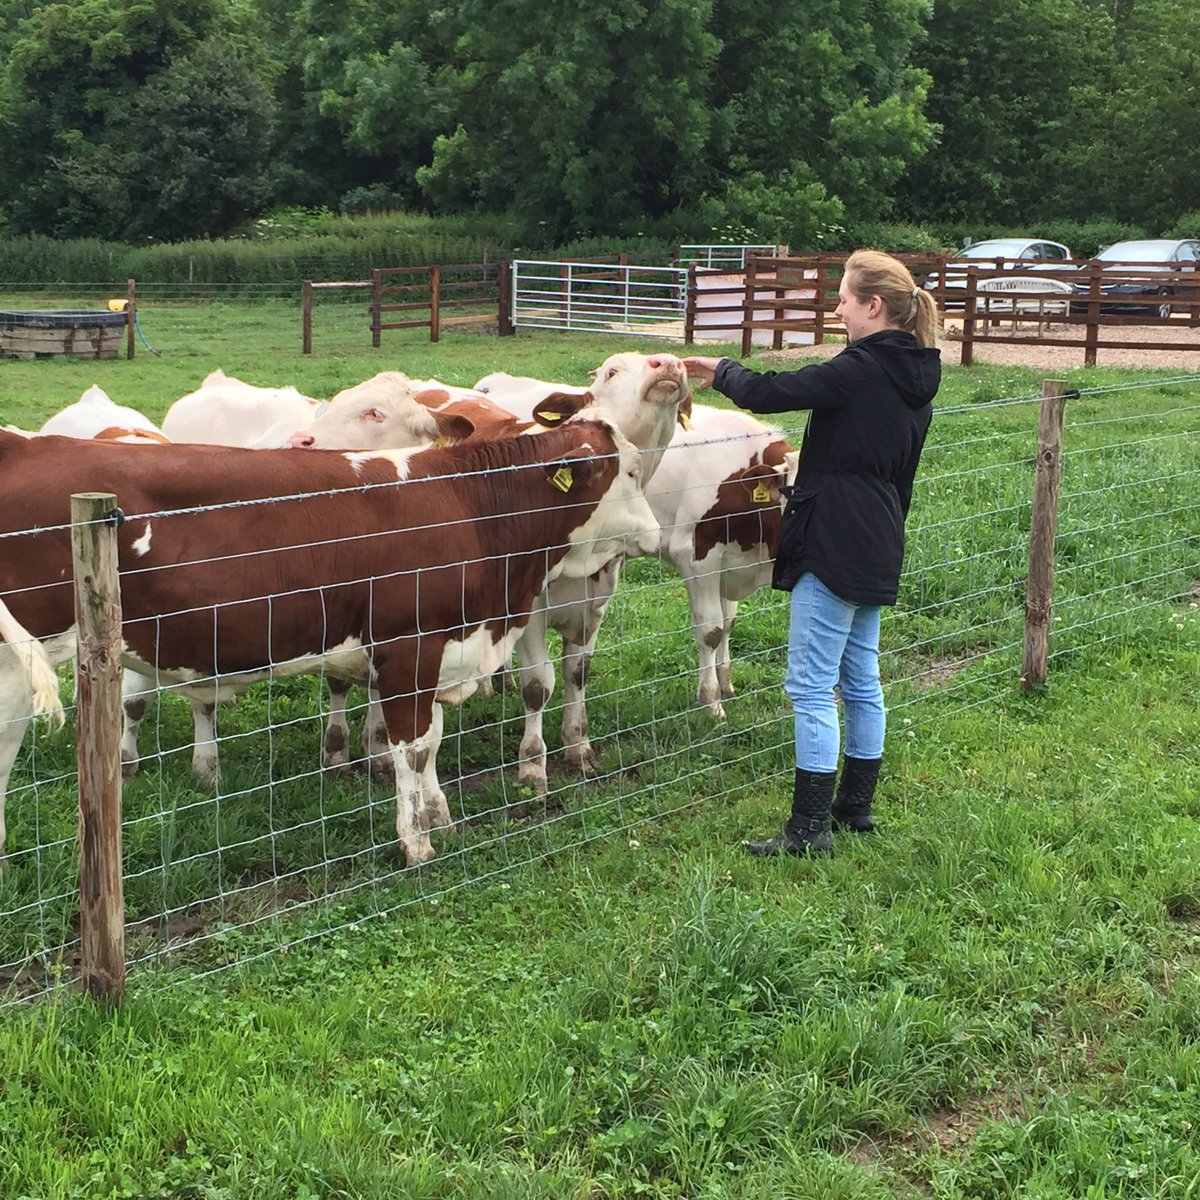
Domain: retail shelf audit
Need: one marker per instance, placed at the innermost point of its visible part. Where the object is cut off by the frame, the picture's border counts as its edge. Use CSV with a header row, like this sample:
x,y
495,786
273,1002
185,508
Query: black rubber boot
x,y
808,828
856,791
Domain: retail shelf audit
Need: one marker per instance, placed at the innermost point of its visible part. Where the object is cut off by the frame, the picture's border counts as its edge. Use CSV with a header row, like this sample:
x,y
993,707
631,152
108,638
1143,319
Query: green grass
x,y
996,996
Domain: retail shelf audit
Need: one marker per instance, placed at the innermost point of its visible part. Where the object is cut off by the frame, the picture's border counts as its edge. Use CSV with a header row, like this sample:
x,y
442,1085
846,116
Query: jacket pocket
x,y
793,527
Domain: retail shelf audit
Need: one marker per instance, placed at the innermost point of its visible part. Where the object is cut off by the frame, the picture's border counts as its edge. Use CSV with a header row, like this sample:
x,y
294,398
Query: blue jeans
x,y
832,641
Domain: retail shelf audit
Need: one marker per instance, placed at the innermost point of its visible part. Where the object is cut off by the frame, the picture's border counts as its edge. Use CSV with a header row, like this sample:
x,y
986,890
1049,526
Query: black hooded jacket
x,y
871,408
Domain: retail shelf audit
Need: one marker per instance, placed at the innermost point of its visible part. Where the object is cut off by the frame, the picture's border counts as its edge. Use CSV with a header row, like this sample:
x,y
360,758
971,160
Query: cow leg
x,y
206,764
708,628
724,654
335,745
414,729
136,693
16,715
579,623
435,812
376,749
536,674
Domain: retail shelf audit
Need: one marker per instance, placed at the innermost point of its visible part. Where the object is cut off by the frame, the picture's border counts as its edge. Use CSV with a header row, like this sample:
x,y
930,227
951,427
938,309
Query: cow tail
x,y
39,671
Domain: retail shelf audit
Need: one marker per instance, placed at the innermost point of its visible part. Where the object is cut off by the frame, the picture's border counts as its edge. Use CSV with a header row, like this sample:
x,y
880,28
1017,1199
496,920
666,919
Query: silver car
x,y
1148,256
1013,254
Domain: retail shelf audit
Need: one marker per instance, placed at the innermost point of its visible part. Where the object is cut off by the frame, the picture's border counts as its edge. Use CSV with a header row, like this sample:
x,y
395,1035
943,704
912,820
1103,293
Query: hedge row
x,y
302,244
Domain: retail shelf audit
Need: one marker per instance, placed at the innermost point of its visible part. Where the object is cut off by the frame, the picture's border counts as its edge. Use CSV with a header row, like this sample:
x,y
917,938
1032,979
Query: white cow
x,y
648,398
94,415
716,496
386,412
224,411
521,394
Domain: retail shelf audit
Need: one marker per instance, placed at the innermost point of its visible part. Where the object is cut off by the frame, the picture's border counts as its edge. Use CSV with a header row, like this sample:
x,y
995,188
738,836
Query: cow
x,y
94,415
437,559
647,396
224,411
716,496
520,394
391,411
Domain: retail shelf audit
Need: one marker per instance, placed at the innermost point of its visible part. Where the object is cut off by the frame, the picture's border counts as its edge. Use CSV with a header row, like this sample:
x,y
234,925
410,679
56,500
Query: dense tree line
x,y
172,119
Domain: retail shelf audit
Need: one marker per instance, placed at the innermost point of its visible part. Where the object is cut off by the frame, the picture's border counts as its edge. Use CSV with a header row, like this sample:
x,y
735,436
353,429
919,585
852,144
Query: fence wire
x,y
218,874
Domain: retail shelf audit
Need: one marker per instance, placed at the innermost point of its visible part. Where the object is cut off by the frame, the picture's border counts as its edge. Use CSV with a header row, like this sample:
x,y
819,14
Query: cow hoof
x,y
583,758
335,762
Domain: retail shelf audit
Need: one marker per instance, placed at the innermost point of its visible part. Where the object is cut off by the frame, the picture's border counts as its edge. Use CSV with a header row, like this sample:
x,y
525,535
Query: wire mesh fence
x,y
216,872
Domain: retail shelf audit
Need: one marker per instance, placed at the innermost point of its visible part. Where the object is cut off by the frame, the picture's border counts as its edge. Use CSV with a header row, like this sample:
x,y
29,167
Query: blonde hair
x,y
873,273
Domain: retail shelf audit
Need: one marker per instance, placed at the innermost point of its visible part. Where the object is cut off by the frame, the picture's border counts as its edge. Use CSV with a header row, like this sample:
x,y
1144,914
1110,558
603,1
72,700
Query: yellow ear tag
x,y
440,444
761,494
685,422
549,416
562,479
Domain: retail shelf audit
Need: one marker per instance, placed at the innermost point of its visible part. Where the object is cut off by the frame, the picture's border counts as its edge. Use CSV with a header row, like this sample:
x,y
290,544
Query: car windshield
x,y
1151,252
992,250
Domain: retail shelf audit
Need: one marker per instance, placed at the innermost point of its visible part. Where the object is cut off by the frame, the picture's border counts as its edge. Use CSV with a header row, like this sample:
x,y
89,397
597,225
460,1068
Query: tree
x,y
820,105
1014,85
587,117
1140,160
74,148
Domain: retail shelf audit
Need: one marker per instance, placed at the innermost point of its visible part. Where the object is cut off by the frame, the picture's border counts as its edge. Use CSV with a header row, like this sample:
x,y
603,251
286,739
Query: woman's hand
x,y
701,369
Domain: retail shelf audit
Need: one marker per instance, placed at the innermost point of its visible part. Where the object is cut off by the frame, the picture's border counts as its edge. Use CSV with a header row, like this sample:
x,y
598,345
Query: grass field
x,y
996,996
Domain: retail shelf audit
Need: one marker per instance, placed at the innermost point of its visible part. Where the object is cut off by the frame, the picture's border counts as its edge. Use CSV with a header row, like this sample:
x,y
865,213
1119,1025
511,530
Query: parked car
x,y
1147,256
1019,254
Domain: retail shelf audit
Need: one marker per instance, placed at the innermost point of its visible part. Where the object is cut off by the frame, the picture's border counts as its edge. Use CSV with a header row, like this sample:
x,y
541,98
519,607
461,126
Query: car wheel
x,y
1164,310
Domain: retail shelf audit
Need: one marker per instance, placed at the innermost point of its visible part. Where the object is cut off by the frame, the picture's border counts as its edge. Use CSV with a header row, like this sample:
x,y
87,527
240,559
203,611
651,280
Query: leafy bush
x,y
1188,226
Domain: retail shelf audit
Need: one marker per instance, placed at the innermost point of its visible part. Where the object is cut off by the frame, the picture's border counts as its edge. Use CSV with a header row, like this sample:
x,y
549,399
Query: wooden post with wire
x,y
1039,586
94,522
306,317
130,315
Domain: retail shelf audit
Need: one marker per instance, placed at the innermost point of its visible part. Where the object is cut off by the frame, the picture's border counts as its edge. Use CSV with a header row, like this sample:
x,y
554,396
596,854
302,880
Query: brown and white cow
x,y
647,397
437,559
717,500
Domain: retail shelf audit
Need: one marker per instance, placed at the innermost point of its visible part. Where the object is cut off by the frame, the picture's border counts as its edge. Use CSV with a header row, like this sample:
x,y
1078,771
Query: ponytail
x,y
872,273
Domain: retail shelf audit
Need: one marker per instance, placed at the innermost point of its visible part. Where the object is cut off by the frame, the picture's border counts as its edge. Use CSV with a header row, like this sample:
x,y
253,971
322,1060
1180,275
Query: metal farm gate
x,y
600,297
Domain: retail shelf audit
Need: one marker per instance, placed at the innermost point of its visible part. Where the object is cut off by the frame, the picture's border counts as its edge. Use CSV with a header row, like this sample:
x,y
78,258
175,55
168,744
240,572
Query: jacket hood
x,y
915,370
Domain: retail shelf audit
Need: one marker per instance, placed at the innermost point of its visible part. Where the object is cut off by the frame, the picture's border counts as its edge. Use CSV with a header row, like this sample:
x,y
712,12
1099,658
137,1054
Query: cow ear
x,y
558,406
684,415
571,472
453,427
761,484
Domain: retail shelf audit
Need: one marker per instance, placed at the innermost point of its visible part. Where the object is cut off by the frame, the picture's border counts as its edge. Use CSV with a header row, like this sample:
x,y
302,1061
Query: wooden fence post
x,y
306,317
1091,332
504,327
435,302
1043,527
968,329
751,280
94,522
689,312
130,315
376,306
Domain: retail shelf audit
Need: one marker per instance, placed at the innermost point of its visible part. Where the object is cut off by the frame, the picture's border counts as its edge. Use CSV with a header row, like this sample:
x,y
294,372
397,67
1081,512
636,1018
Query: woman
x,y
842,538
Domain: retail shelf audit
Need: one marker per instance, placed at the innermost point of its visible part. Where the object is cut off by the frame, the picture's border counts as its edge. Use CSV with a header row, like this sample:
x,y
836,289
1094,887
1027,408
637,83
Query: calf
x,y
468,537
717,500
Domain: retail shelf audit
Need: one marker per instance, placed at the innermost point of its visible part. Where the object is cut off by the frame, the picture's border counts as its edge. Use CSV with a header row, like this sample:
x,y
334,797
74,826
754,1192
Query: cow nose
x,y
301,441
